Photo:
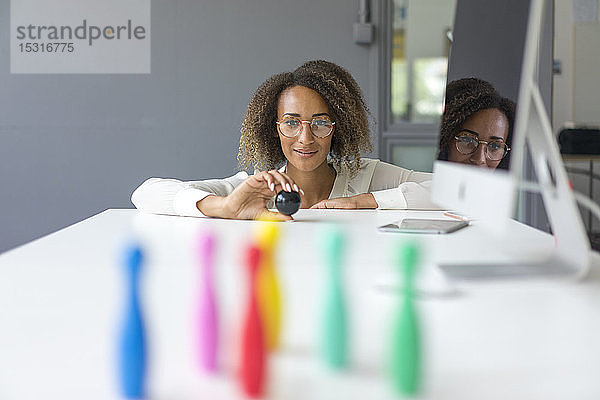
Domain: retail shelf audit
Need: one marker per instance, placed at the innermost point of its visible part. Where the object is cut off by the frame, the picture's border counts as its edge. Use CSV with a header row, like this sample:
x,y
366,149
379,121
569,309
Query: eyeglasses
x,y
319,126
467,144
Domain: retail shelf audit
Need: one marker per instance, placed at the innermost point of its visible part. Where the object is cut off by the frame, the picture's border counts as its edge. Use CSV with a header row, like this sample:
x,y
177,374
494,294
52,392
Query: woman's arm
x,y
395,187
389,187
236,197
175,197
359,201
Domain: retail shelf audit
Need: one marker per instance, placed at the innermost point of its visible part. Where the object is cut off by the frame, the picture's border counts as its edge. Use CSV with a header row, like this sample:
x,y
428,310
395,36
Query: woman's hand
x,y
365,200
249,200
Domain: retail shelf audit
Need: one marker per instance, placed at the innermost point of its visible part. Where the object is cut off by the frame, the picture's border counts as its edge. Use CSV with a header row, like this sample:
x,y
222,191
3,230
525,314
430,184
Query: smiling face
x,y
304,152
486,125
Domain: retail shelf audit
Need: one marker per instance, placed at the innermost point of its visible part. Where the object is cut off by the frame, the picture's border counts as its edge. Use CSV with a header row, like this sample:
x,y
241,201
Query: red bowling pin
x,y
252,371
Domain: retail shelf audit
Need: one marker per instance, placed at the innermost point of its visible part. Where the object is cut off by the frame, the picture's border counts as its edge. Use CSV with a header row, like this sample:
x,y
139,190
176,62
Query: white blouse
x,y
393,188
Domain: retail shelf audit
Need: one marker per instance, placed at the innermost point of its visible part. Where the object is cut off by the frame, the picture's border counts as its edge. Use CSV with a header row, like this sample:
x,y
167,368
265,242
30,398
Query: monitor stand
x,y
547,269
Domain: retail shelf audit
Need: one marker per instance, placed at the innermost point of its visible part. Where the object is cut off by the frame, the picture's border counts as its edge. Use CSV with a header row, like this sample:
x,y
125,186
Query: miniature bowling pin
x,y
269,291
132,343
334,327
208,321
252,371
406,346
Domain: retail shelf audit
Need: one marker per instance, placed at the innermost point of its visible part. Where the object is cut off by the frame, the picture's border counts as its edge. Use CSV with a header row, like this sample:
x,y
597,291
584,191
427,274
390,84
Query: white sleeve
x,y
175,197
398,188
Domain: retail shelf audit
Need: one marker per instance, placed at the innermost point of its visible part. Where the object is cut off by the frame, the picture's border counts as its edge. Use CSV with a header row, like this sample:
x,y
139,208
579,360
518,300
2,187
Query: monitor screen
x,y
476,142
484,72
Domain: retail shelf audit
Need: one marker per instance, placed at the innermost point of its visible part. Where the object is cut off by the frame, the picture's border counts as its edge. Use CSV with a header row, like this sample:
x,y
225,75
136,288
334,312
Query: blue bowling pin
x,y
132,343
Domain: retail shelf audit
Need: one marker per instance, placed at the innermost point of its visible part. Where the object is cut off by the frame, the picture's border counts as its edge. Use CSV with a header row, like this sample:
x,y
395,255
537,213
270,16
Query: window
x,y
416,47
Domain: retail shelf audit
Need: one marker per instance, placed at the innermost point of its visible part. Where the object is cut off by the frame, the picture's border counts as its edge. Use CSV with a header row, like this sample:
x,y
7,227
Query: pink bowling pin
x,y
207,323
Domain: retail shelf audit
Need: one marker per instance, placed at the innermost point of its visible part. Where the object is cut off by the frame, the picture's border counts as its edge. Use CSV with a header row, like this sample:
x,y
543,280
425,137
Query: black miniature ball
x,y
288,203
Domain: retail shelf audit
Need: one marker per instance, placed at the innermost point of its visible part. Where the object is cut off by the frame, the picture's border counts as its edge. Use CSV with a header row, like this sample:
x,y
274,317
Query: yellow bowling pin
x,y
269,292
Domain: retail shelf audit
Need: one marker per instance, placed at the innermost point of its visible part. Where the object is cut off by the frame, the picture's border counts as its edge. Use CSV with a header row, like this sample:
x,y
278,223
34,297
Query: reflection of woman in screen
x,y
304,130
477,125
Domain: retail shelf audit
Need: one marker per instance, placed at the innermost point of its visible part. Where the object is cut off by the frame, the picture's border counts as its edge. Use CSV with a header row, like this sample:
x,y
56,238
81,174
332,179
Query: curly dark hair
x,y
260,147
465,97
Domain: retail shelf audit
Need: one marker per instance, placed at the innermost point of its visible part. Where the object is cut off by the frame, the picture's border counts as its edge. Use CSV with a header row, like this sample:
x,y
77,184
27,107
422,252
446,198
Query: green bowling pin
x,y
335,331
406,345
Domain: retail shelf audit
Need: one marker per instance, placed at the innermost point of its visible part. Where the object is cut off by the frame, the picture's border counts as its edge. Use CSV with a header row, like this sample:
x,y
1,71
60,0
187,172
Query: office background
x,y
74,145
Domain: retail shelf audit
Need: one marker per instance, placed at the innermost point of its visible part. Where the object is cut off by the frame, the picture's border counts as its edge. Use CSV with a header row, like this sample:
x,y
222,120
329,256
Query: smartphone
x,y
413,225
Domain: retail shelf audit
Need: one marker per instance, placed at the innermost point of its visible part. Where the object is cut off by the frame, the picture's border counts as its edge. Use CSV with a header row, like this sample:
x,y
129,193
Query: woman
x,y
311,124
477,125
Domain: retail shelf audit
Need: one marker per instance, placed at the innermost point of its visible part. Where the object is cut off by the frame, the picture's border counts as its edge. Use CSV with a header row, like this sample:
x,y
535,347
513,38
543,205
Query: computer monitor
x,y
490,195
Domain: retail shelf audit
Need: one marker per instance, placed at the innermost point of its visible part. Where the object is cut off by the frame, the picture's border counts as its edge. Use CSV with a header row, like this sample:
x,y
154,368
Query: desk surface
x,y
61,296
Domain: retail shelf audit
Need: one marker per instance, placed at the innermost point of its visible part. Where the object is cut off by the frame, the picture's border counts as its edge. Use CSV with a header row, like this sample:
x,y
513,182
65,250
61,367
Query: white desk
x,y
60,302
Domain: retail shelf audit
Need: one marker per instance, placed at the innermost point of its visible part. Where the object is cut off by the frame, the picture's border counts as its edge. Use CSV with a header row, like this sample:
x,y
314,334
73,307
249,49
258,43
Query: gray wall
x,y
74,145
